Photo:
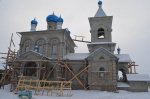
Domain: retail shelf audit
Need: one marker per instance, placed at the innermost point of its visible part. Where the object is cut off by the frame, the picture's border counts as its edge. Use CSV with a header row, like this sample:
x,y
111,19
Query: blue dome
x,y
52,18
34,22
60,19
100,2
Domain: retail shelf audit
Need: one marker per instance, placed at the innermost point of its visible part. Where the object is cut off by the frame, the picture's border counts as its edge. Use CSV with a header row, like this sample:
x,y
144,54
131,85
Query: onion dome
x,y
34,21
60,19
100,3
52,18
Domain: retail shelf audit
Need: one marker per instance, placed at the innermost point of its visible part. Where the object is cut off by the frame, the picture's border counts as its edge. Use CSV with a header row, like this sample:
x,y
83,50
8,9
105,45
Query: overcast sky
x,y
131,23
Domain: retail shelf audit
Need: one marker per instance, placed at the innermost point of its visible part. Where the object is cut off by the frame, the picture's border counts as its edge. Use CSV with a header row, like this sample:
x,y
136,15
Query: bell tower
x,y
101,28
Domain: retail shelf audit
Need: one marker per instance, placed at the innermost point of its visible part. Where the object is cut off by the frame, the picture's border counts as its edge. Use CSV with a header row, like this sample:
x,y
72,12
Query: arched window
x,y
101,33
40,44
54,47
27,45
102,73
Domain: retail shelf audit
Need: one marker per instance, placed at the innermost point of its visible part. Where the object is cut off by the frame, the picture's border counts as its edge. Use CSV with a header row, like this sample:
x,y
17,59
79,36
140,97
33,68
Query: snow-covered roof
x,y
101,43
34,52
76,56
123,57
82,56
101,50
138,77
122,84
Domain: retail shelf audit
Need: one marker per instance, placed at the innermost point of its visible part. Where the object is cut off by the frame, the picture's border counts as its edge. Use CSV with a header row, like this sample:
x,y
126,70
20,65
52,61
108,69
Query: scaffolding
x,y
132,67
14,68
9,73
44,87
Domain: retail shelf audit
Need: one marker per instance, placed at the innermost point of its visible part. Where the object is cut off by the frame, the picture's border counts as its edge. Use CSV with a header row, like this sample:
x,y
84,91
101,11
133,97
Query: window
x,y
36,48
101,58
54,47
27,49
102,72
40,44
101,33
49,27
26,46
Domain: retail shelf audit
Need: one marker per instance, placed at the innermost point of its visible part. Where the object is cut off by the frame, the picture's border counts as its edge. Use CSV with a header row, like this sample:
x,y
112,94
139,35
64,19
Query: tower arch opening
x,y
101,33
122,75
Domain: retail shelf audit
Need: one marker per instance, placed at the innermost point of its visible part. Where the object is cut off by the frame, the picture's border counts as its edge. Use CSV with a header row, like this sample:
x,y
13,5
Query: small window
x,y
54,47
102,73
27,48
40,45
49,27
101,33
101,58
36,48
27,45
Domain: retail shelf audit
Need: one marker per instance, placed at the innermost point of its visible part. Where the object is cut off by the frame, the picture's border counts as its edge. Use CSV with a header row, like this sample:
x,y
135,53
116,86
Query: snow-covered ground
x,y
82,94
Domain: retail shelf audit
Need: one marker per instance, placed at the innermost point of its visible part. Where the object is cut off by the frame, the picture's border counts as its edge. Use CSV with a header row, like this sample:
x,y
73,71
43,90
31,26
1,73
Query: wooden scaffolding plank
x,y
73,74
43,85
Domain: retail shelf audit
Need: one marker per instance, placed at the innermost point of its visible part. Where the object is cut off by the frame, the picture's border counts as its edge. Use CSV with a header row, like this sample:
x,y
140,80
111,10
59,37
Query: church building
x,y
50,54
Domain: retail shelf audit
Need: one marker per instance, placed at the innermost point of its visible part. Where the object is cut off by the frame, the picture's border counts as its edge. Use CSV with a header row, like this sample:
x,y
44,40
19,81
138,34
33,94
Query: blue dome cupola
x,y
34,21
60,19
52,18
33,24
59,23
54,22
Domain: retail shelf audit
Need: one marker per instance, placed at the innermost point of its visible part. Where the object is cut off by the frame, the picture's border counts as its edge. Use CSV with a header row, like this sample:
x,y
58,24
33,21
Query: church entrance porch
x,y
30,69
122,75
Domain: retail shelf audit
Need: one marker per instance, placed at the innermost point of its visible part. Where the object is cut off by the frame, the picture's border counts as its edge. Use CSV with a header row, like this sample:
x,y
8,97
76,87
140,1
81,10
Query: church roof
x,y
83,56
101,43
101,50
123,57
76,56
30,54
138,77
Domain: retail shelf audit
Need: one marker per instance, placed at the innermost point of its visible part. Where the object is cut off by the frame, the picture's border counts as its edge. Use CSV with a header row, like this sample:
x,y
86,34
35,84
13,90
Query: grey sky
x,y
131,21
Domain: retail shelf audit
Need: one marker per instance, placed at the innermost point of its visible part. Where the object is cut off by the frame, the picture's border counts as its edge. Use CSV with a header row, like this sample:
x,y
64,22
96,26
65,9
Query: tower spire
x,y
100,12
